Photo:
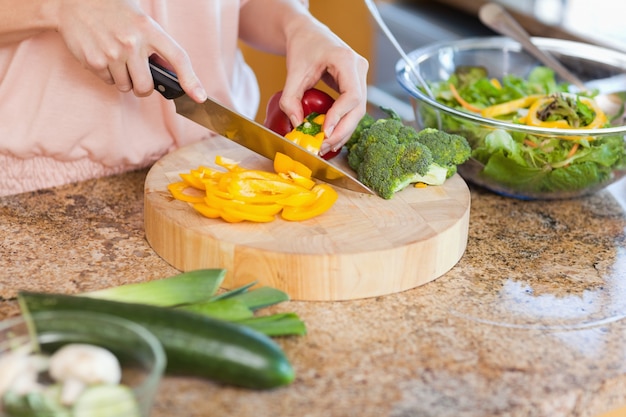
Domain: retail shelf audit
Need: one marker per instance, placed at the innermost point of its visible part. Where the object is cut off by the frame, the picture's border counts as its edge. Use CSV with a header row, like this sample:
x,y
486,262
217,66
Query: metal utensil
x,y
373,9
419,80
498,19
247,132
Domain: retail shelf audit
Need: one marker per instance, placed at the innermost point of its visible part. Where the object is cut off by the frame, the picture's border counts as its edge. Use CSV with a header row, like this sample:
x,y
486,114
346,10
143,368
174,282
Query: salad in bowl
x,y
532,137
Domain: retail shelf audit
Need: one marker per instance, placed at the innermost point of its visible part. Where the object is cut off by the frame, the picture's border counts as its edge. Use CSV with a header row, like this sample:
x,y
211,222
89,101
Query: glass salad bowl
x,y
63,364
514,152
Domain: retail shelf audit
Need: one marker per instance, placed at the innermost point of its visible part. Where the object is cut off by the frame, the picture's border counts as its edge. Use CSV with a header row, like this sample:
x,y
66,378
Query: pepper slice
x,y
534,111
509,106
177,189
326,197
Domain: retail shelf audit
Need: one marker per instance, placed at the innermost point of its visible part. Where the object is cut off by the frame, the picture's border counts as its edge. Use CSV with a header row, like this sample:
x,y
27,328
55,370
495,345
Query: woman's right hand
x,y
114,39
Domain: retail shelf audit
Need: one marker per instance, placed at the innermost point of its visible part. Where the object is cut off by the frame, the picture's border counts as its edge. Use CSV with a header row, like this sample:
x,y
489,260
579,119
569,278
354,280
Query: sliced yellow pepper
x,y
284,164
326,197
192,180
304,198
177,189
240,194
509,106
532,118
207,211
302,181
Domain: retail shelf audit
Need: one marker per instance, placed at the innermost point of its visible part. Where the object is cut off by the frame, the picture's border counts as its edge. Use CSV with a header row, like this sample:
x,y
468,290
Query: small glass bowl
x,y
139,352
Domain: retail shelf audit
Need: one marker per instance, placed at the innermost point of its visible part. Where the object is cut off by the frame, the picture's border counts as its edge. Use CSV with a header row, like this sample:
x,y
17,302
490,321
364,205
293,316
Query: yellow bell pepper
x,y
509,106
309,134
532,118
177,189
207,211
325,198
240,194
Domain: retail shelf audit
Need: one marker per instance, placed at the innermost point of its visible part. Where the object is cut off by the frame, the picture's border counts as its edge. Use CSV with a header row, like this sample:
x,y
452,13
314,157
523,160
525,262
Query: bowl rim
x,y
405,77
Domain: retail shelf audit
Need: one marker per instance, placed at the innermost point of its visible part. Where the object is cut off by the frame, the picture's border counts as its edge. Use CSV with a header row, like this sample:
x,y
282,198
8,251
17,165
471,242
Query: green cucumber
x,y
195,345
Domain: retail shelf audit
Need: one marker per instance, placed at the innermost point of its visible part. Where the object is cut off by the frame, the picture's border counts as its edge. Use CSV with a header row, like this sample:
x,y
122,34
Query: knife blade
x,y
248,133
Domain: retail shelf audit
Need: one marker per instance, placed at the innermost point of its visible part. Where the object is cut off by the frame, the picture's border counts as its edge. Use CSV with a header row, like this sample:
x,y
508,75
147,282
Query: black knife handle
x,y
165,82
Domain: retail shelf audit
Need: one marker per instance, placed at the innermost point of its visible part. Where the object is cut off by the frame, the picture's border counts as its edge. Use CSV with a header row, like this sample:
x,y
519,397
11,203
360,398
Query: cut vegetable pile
x,y
237,194
204,333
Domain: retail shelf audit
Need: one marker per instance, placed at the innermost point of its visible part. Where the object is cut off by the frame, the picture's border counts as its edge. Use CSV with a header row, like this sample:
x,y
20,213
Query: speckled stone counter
x,y
529,323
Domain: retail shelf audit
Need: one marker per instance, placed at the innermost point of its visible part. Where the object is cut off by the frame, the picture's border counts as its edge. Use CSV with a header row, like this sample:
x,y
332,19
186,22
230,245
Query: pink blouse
x,y
59,123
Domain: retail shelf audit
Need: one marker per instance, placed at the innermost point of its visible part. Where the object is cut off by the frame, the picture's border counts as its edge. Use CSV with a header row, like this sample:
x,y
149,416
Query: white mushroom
x,y
76,366
19,371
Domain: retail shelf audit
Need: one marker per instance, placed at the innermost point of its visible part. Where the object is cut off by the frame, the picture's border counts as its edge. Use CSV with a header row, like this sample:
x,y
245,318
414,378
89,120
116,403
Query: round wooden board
x,y
364,246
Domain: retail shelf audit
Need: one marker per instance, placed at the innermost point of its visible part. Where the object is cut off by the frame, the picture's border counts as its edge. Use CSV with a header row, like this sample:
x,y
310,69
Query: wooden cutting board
x,y
364,246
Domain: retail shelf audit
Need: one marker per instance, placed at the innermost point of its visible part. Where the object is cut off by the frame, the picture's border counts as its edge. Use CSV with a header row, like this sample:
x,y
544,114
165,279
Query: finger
x,y
291,98
139,71
121,77
180,62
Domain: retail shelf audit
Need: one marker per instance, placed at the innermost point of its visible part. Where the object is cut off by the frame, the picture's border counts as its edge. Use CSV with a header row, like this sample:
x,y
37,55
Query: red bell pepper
x,y
313,101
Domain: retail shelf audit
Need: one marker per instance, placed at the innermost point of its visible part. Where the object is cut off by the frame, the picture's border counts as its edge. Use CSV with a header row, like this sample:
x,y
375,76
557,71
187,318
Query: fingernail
x,y
324,148
201,93
328,131
294,121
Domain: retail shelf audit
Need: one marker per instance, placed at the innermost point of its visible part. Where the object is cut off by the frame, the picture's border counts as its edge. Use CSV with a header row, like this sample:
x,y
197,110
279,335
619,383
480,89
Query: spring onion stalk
x,y
280,324
238,305
233,292
226,309
185,288
261,297
196,291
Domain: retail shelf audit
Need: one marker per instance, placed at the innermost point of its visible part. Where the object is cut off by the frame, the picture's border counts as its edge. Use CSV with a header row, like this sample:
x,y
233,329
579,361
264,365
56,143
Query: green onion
x,y
261,297
281,324
234,292
195,291
226,309
185,288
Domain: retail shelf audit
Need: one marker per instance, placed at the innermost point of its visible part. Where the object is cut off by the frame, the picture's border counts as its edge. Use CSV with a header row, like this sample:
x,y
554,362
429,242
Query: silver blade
x,y
262,140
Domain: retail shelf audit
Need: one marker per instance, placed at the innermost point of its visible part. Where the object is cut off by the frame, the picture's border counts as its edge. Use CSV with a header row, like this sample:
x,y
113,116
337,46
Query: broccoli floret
x,y
365,123
449,150
388,155
390,167
381,131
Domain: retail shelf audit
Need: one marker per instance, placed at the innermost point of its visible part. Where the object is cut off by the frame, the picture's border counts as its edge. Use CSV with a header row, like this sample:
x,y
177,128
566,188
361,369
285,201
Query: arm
x,y
313,53
111,38
23,19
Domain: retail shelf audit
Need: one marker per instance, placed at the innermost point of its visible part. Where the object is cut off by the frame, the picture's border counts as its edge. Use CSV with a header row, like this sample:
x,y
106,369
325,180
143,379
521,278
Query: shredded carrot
x,y
573,150
530,143
462,101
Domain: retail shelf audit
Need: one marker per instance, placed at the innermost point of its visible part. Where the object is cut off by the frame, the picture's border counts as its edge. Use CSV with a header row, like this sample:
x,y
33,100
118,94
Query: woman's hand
x,y
314,53
114,39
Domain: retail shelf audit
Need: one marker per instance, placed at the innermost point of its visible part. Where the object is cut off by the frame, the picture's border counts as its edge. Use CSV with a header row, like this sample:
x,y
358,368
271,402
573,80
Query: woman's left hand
x,y
314,53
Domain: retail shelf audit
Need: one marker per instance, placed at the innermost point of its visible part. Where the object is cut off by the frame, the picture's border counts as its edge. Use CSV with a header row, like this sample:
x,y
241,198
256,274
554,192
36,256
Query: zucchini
x,y
195,345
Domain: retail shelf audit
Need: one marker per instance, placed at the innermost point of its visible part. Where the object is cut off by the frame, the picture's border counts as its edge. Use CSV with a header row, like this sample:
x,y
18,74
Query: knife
x,y
246,132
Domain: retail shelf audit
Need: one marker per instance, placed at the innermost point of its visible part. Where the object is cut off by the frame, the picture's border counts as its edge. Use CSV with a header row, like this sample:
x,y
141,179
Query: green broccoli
x,y
365,122
449,150
388,155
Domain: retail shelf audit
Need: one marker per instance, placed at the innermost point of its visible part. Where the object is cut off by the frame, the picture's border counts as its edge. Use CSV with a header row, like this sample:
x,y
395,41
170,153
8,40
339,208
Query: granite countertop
x,y
530,322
